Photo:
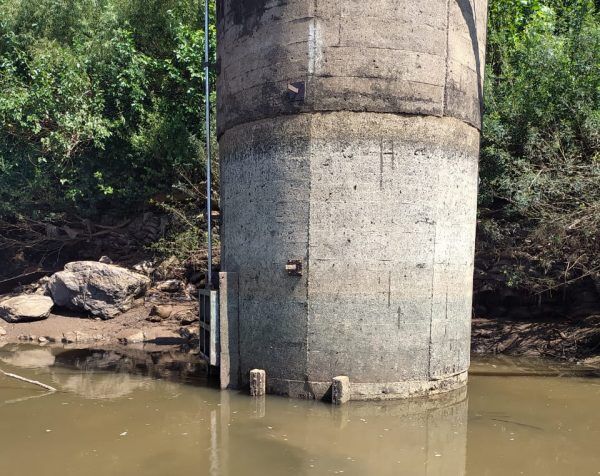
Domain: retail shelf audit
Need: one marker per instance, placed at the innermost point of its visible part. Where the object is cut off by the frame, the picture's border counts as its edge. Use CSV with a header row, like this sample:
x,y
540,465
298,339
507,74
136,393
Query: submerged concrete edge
x,y
368,391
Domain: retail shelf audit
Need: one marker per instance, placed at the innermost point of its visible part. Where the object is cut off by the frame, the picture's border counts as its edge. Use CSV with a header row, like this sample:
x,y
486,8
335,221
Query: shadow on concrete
x,y
470,16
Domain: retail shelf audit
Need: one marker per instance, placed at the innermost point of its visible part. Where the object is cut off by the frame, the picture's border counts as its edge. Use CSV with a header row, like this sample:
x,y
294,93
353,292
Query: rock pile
x,y
103,291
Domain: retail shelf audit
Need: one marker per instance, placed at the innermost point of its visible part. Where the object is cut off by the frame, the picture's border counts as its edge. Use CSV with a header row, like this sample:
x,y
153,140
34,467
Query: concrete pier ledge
x,y
368,391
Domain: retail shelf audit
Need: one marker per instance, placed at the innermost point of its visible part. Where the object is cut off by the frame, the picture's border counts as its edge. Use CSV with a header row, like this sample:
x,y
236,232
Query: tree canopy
x,y
540,163
100,103
101,108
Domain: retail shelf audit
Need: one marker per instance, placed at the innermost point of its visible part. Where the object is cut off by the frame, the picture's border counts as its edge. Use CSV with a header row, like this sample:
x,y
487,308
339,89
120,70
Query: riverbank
x,y
563,340
574,340
140,325
102,304
98,303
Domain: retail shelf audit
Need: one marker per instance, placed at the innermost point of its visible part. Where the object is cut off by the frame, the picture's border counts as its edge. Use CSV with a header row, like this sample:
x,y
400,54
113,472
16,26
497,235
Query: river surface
x,y
518,417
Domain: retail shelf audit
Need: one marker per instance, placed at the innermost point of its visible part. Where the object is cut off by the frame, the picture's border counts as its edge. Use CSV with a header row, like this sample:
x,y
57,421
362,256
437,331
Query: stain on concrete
x,y
248,13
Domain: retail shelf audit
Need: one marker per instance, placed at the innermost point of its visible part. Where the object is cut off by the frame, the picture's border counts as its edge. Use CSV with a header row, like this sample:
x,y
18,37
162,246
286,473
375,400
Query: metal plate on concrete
x,y
209,326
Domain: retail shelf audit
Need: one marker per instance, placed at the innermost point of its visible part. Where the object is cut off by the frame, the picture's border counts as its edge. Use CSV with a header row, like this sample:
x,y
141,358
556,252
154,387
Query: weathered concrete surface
x,y
383,214
371,183
229,369
396,56
340,390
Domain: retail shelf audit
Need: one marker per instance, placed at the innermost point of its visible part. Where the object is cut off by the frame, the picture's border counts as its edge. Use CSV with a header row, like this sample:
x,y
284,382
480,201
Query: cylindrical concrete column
x,y
349,139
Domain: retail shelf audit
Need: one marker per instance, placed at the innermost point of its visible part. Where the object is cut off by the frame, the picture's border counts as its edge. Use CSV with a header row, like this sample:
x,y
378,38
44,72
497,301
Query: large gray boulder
x,y
104,290
26,308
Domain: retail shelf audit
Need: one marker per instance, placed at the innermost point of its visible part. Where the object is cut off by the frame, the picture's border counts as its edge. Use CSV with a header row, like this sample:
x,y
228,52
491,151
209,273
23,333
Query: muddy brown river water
x,y
517,417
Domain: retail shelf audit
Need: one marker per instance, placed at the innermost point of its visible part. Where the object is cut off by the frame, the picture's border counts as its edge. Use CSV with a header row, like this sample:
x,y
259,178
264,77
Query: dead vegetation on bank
x,y
562,340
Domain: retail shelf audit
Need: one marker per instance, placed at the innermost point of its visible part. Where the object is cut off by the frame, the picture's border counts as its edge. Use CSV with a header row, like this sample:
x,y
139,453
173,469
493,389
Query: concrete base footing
x,y
368,391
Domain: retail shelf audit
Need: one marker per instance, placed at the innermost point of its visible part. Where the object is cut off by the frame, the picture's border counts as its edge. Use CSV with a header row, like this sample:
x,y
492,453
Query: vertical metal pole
x,y
208,151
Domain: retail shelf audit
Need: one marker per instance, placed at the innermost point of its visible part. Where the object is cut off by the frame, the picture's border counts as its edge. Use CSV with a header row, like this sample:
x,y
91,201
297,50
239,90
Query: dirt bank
x,y
576,340
140,325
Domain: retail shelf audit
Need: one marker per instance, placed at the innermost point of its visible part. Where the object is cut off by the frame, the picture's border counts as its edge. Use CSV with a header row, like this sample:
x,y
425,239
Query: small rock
x,y
145,267
170,268
105,260
26,308
191,290
188,317
134,338
76,337
2,332
170,286
42,340
42,286
69,338
160,313
187,333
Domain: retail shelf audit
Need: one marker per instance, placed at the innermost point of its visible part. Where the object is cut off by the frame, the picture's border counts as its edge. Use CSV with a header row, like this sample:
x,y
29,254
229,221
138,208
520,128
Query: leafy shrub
x,y
101,104
540,164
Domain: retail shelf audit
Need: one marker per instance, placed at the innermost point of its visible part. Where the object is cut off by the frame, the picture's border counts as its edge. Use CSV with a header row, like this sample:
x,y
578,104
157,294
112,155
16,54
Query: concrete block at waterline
x,y
258,383
340,390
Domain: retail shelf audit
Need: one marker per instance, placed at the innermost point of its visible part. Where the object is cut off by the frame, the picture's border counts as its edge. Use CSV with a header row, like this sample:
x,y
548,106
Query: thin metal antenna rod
x,y
208,151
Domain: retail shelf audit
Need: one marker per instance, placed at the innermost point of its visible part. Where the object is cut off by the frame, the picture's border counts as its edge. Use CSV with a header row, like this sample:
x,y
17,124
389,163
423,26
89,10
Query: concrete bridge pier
x,y
349,140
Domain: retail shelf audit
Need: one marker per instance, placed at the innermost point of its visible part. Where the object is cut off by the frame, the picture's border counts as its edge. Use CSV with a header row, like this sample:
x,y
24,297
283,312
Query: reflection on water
x,y
103,374
111,417
277,436
99,386
29,358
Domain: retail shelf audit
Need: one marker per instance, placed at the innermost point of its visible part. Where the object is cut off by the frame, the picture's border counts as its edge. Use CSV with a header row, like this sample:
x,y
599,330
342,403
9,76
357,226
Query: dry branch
x,y
23,379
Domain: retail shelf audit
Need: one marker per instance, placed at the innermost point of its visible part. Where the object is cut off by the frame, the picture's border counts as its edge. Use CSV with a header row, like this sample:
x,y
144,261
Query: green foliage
x,y
540,164
101,103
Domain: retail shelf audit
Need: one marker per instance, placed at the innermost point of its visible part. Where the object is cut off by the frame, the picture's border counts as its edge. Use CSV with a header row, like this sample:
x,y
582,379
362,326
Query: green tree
x,y
101,104
540,164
